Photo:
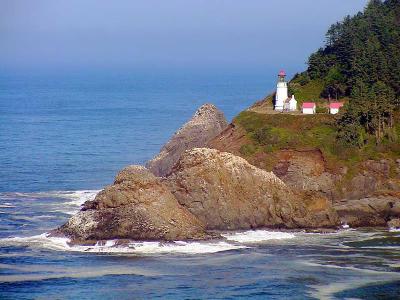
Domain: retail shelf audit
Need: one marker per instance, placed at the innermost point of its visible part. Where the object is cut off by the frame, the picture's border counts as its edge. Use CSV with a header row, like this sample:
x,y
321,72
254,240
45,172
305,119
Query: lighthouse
x,y
281,91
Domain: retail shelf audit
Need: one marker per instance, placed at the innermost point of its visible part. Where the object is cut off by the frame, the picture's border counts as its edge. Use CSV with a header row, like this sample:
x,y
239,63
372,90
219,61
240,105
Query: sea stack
x,y
137,206
206,123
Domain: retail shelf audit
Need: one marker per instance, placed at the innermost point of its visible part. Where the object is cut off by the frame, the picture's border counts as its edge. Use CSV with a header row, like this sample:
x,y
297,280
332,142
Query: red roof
x,y
282,73
308,105
335,105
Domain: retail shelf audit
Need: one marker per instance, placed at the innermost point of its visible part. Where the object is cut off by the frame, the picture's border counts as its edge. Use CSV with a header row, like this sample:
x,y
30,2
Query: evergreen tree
x,y
361,60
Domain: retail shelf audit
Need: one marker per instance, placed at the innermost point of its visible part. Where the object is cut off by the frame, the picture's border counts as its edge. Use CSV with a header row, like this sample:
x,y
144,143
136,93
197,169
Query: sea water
x,y
63,137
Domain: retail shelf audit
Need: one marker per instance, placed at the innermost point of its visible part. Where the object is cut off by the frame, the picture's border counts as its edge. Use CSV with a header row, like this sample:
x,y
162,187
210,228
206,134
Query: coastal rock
x,y
137,206
369,212
305,170
394,223
205,124
227,193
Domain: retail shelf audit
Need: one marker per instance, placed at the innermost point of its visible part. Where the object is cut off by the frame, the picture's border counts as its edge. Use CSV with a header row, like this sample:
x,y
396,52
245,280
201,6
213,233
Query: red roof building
x,y
308,105
335,105
309,108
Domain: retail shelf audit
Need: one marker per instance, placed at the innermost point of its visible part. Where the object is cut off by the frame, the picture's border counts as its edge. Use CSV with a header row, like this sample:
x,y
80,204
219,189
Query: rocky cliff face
x,y
226,192
306,169
137,206
372,211
206,190
206,123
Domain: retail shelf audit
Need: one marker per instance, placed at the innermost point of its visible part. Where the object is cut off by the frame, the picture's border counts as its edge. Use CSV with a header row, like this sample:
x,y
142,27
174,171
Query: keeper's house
x,y
309,108
334,107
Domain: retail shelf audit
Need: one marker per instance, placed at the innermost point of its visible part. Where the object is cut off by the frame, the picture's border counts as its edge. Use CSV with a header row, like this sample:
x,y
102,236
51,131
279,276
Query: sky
x,y
129,34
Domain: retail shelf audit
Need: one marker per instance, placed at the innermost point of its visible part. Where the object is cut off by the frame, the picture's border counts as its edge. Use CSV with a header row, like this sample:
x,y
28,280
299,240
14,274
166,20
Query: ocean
x,y
63,136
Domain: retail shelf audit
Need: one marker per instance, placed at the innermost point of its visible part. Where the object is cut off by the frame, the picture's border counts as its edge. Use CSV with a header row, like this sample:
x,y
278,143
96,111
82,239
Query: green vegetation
x,y
271,133
308,90
360,62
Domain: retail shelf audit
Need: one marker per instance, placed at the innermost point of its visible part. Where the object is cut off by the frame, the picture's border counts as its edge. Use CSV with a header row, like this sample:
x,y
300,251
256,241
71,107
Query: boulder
x,y
206,123
227,193
137,206
369,212
394,223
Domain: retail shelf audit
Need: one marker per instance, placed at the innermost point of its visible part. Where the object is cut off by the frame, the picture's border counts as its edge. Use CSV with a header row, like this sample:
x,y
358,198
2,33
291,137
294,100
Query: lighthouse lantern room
x,y
281,91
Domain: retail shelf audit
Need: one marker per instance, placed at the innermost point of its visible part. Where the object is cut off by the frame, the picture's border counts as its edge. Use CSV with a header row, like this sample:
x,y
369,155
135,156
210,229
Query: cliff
x,y
302,150
206,190
304,153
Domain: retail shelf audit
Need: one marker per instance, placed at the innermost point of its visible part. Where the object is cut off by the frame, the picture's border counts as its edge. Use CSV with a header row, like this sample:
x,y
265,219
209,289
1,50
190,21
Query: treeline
x,y
361,61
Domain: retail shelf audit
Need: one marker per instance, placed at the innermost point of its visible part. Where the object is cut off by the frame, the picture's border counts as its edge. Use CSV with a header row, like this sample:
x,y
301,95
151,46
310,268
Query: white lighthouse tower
x,y
281,91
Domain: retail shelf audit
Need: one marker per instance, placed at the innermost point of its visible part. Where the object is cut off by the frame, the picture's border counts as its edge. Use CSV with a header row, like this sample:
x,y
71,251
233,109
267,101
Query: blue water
x,y
64,136
75,130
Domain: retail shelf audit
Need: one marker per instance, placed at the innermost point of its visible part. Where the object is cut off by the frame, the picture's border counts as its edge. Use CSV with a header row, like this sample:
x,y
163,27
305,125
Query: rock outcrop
x,y
227,193
369,212
137,206
394,223
306,168
206,123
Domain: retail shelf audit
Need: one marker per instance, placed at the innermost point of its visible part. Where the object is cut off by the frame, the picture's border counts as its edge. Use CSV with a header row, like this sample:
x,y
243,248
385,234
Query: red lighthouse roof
x,y
282,73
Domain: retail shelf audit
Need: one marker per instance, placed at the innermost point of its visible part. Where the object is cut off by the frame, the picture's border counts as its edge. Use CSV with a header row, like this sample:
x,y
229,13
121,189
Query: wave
x,y
257,236
40,272
233,241
111,246
71,204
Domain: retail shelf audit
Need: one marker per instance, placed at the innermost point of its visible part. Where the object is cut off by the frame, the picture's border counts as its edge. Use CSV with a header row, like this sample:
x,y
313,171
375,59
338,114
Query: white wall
x,y
308,111
334,111
281,95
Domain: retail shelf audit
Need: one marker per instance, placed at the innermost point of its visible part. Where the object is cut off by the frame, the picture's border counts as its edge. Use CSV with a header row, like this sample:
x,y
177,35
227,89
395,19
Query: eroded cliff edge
x,y
363,185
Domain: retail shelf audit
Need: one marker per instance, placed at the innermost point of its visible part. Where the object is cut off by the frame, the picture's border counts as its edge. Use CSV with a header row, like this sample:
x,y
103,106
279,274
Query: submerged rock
x,y
227,193
205,124
137,206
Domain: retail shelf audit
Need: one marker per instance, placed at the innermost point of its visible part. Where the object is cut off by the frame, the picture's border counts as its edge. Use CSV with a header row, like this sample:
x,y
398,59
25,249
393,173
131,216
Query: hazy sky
x,y
160,33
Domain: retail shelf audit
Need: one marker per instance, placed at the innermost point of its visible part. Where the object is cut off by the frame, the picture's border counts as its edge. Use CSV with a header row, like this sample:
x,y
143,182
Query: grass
x,y
310,92
271,133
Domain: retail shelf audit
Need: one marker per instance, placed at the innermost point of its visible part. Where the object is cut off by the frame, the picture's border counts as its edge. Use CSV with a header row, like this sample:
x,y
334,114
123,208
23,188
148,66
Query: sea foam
x,y
257,236
111,246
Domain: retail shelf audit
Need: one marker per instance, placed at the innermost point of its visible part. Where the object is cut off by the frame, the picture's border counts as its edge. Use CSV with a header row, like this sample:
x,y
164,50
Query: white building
x,y
290,104
309,108
293,104
334,107
281,91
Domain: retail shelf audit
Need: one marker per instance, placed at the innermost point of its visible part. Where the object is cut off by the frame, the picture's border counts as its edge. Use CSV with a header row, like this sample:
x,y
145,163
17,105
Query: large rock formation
x,y
226,193
369,212
307,169
137,206
206,123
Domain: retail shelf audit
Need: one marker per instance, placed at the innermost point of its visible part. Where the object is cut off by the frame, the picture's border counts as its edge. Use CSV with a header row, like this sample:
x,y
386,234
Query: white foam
x,y
6,205
257,236
74,199
77,197
133,247
394,229
345,226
